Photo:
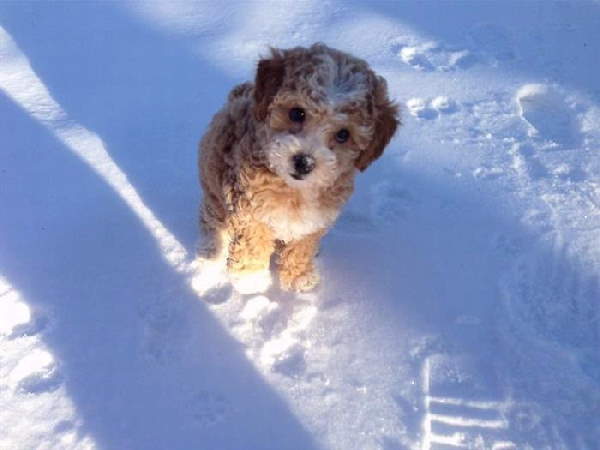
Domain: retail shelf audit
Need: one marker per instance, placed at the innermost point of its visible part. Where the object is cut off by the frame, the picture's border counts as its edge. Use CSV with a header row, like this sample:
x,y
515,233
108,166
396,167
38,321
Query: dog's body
x,y
278,162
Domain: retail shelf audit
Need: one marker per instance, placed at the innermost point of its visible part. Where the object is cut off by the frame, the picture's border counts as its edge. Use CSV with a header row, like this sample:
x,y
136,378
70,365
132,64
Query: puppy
x,y
278,162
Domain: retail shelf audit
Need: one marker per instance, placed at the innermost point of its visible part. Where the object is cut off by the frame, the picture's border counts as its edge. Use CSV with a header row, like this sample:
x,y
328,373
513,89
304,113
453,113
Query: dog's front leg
x,y
296,267
250,251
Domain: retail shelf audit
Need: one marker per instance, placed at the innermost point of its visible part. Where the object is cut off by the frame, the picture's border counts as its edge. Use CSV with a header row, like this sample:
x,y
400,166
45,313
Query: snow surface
x,y
460,303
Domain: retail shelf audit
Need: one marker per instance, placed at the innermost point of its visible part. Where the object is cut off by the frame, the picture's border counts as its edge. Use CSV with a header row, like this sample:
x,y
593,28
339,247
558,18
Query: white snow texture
x,y
460,297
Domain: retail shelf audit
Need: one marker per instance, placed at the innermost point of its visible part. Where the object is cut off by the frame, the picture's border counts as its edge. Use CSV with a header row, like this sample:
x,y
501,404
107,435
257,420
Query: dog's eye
x,y
297,115
342,136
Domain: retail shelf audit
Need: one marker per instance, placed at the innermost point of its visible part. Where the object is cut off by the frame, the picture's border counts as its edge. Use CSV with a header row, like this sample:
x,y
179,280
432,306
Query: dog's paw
x,y
301,283
251,282
210,280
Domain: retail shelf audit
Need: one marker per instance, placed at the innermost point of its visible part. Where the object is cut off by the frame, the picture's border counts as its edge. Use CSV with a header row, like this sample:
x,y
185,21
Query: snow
x,y
460,296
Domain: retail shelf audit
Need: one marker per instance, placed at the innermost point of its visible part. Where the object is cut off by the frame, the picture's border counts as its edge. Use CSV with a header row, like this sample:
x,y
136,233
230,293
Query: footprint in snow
x,y
257,321
551,300
462,404
285,351
208,409
432,56
421,109
444,105
428,110
526,161
558,298
416,58
274,332
548,115
36,373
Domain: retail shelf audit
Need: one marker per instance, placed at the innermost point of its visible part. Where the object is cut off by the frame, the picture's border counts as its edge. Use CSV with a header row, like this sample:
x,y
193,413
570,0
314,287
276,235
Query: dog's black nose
x,y
303,164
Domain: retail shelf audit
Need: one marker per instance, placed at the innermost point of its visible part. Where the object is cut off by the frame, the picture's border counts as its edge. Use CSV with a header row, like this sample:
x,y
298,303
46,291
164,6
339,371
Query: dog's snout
x,y
303,164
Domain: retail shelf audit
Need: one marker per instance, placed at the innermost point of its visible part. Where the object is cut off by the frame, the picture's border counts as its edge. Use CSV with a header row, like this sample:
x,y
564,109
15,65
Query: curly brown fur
x,y
254,194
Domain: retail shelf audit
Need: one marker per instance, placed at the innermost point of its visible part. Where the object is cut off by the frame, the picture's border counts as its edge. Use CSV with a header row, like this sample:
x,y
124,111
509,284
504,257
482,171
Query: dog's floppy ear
x,y
269,77
386,122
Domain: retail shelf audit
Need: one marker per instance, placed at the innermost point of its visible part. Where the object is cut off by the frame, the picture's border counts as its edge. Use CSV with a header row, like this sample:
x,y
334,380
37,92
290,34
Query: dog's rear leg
x,y
211,262
296,265
250,250
214,240
214,244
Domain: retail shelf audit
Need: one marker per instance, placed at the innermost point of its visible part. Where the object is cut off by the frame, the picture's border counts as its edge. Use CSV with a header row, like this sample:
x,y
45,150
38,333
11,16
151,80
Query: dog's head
x,y
324,113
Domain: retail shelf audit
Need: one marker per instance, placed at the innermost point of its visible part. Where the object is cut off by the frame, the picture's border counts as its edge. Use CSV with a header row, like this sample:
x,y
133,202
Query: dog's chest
x,y
293,218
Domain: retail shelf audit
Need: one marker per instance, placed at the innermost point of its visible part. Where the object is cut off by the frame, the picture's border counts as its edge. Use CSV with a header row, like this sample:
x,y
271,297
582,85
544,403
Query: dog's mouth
x,y
297,176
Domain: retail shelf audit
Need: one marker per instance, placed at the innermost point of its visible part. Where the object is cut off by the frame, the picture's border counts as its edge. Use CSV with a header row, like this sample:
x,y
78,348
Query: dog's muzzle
x,y
303,164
